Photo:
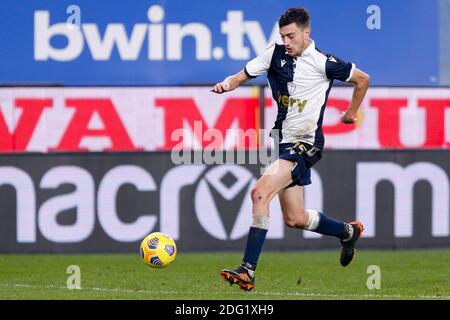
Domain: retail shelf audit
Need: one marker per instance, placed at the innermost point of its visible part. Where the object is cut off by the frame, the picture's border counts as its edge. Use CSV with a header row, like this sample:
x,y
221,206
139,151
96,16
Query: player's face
x,y
295,39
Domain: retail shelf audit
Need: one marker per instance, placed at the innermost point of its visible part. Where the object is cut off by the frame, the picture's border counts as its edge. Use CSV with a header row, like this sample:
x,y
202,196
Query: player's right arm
x,y
254,68
231,82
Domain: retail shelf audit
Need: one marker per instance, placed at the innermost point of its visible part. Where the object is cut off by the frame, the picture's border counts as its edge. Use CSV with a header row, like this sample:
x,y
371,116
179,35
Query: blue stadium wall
x,y
407,45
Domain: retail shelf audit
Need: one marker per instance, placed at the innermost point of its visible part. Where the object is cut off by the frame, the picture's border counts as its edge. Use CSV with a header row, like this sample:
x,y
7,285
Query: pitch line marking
x,y
207,293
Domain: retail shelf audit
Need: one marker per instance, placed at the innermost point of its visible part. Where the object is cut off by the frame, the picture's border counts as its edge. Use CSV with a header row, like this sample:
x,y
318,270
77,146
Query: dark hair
x,y
298,15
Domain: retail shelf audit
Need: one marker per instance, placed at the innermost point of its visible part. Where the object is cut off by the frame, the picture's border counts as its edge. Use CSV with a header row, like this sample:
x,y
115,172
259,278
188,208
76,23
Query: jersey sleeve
x,y
339,69
260,64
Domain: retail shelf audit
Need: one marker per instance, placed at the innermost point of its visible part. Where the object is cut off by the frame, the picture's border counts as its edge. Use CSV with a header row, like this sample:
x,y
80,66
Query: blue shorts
x,y
304,156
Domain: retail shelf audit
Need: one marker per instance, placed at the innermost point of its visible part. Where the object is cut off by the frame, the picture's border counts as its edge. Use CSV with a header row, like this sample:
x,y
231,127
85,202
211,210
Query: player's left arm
x,y
361,81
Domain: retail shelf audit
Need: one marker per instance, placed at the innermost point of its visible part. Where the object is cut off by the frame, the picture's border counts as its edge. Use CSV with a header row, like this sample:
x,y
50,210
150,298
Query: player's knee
x,y
259,195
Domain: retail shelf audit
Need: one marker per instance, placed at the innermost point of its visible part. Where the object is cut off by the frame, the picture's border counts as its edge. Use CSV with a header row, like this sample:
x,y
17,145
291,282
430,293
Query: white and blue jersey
x,y
300,86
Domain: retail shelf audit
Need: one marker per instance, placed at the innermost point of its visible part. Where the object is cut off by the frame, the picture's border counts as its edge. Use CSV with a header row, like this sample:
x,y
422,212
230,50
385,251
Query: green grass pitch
x,y
423,274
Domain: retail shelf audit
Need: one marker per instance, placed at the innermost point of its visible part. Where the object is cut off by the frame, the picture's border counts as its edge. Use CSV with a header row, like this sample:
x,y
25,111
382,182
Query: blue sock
x,y
255,241
331,227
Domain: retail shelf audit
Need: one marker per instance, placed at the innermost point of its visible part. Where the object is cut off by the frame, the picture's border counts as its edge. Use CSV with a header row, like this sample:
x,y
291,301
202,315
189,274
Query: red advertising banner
x,y
157,119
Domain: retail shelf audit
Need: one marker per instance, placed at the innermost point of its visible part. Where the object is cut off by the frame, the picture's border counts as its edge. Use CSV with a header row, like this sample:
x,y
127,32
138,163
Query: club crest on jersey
x,y
291,87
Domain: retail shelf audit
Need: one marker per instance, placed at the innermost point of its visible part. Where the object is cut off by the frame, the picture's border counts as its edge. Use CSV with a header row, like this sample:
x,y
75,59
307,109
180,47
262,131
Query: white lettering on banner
x,y
25,202
200,32
43,32
107,195
235,29
129,48
115,33
82,198
219,183
369,174
155,33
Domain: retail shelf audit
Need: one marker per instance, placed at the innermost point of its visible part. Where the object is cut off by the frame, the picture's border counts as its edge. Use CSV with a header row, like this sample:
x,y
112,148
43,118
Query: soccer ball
x,y
158,250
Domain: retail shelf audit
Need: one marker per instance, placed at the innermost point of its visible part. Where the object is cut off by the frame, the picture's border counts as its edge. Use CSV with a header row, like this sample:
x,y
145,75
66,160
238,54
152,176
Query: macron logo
x,y
283,62
332,59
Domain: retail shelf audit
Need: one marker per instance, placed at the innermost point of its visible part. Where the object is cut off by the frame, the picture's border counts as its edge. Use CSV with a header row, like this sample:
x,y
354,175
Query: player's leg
x,y
276,177
296,216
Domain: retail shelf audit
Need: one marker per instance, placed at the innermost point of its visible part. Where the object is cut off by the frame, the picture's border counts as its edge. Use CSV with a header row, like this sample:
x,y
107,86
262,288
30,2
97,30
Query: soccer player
x,y
300,77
